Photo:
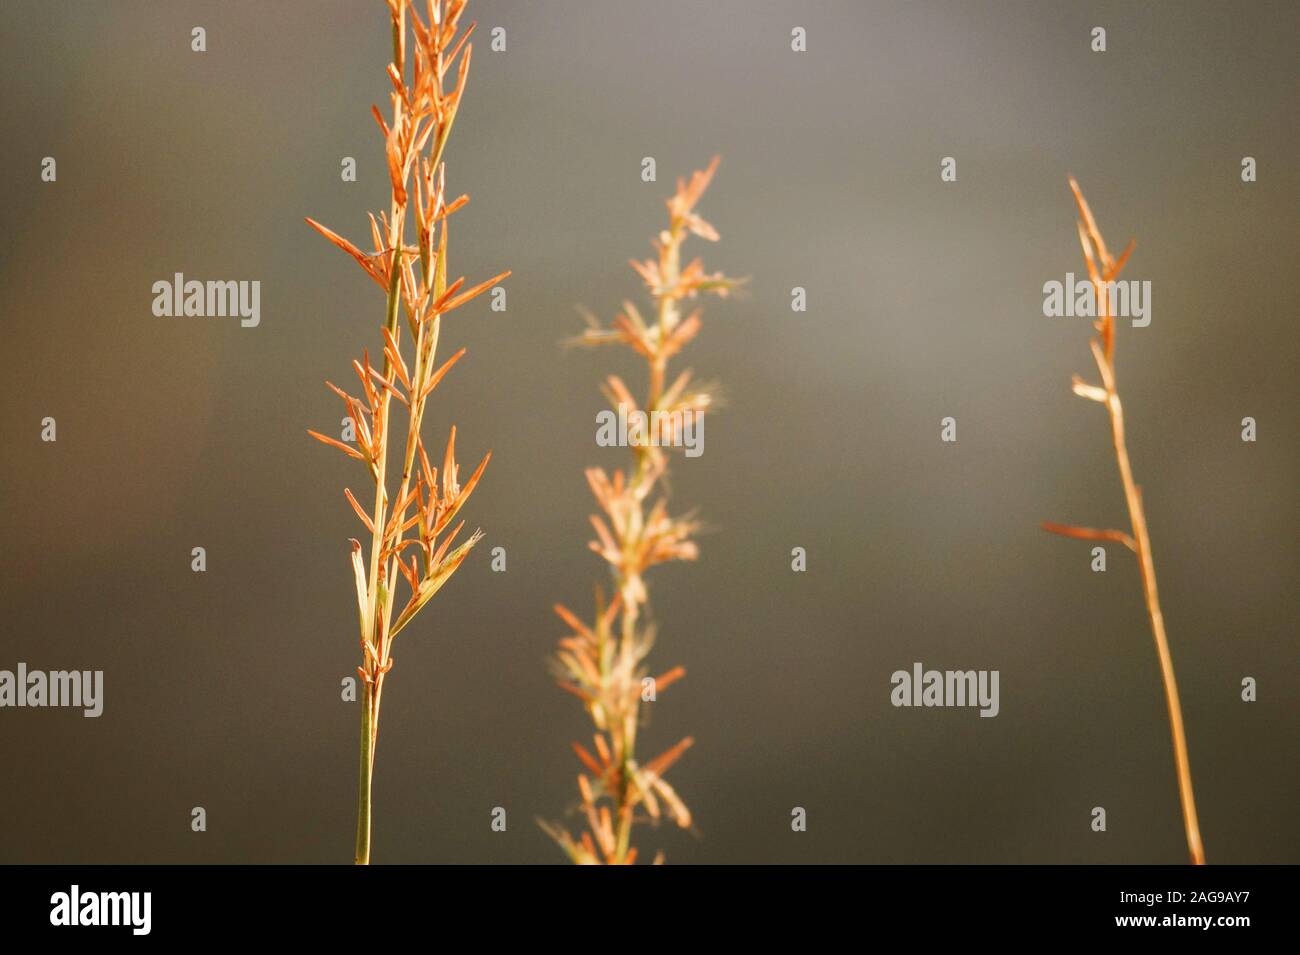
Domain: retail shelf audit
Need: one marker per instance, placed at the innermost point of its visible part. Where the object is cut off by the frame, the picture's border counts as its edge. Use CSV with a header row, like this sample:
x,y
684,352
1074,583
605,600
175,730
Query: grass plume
x,y
414,520
1104,268
603,663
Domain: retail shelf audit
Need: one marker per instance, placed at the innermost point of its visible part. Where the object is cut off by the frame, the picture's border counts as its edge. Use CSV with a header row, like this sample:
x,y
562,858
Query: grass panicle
x,y
603,663
410,522
1104,268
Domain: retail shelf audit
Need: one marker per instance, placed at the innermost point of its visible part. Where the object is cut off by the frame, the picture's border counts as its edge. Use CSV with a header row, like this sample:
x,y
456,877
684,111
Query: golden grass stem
x,y
1103,269
1146,565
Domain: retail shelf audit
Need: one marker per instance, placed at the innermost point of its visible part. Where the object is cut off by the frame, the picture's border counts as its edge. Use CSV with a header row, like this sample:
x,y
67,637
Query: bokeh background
x,y
222,689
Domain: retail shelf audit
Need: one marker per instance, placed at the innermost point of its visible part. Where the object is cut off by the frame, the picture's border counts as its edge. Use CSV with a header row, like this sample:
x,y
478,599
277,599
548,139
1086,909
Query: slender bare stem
x,y
1137,517
364,776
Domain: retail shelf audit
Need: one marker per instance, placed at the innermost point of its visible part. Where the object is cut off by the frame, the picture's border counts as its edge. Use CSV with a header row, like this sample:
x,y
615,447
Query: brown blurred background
x,y
925,300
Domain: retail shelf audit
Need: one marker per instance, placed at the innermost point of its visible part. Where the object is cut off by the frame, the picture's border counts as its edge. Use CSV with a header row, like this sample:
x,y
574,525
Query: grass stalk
x,y
364,776
601,664
424,108
1103,268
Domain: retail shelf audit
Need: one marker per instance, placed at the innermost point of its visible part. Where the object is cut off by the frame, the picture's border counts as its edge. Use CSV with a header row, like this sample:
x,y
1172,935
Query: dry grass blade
x,y
423,112
1104,268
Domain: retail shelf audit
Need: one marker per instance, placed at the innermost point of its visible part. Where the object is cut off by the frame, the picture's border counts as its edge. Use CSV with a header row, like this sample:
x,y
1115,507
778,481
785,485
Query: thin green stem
x,y
364,777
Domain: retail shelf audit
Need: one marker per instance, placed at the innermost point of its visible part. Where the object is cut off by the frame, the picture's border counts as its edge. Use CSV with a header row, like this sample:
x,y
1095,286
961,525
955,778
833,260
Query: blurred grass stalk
x,y
1103,268
422,116
602,663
